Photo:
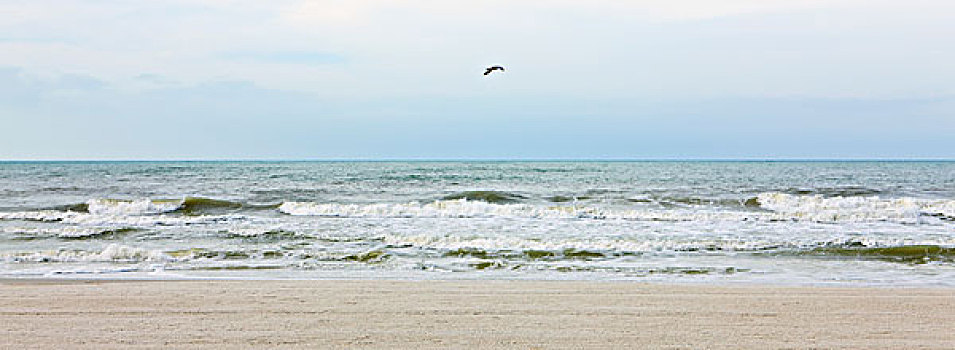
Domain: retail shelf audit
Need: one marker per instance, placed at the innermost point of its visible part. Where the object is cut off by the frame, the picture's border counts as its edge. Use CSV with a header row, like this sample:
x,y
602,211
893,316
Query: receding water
x,y
780,222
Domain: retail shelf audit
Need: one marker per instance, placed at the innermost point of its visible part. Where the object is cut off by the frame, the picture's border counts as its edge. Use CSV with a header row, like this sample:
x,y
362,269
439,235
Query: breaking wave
x,y
820,208
497,197
776,207
134,207
458,208
27,233
770,206
145,206
115,220
112,253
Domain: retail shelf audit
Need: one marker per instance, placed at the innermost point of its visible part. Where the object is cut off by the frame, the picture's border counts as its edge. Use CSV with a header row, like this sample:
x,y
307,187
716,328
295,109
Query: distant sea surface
x,y
866,223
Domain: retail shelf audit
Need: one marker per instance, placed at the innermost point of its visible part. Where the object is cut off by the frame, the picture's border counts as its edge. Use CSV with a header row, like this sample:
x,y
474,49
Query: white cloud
x,y
419,48
363,12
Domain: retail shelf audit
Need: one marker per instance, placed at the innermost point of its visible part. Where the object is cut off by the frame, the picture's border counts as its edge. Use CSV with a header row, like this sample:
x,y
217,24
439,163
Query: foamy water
x,y
801,222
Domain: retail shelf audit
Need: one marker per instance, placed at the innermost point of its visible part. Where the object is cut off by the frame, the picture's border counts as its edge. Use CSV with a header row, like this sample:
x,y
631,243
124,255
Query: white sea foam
x,y
779,206
113,220
39,215
61,232
111,253
98,208
454,242
643,243
134,207
459,208
854,209
148,221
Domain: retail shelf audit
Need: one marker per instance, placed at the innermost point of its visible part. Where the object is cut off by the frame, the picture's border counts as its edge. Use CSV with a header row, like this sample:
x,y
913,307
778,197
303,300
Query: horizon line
x,y
674,159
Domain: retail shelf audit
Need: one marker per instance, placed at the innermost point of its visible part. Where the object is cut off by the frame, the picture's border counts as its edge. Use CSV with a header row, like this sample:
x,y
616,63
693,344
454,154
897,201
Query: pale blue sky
x,y
231,79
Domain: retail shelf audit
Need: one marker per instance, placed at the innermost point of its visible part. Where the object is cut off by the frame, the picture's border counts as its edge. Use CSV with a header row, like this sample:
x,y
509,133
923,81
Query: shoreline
x,y
97,313
376,278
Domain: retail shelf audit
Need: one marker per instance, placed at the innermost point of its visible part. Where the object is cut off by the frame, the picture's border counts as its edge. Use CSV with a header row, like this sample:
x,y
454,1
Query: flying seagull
x,y
493,68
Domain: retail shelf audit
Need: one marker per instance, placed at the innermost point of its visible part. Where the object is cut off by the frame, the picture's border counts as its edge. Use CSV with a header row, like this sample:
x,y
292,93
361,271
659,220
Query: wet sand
x,y
456,314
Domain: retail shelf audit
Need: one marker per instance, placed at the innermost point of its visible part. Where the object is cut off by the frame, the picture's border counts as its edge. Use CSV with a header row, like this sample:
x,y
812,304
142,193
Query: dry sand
x,y
456,314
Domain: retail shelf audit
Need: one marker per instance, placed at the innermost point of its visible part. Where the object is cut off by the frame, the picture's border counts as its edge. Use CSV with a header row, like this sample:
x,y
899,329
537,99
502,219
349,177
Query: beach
x,y
56,313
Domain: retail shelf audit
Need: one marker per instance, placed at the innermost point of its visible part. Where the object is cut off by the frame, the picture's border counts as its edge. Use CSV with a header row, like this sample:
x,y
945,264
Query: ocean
x,y
855,223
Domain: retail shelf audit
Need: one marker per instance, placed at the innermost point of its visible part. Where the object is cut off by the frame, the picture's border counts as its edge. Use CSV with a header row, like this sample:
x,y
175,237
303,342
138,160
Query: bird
x,y
493,68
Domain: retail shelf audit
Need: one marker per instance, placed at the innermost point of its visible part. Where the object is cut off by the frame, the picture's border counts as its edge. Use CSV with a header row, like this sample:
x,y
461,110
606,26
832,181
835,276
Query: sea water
x,y
685,221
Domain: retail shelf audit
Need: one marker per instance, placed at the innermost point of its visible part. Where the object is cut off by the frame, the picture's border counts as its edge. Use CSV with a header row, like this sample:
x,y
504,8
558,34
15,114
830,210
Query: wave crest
x,y
770,206
130,207
111,253
145,206
498,197
776,207
820,208
459,208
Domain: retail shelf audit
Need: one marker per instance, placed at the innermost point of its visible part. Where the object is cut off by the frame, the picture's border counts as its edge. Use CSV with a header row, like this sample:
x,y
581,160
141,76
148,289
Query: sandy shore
x,y
416,314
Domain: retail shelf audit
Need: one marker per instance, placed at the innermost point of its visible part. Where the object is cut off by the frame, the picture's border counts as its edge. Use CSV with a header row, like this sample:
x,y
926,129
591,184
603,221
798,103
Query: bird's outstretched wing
x,y
490,69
